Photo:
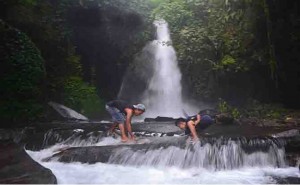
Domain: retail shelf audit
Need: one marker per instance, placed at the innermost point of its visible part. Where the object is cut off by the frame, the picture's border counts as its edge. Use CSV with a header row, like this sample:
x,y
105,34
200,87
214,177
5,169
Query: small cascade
x,y
77,137
170,160
214,154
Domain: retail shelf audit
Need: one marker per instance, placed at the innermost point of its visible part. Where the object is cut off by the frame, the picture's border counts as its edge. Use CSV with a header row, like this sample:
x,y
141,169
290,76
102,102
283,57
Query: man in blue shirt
x,y
189,124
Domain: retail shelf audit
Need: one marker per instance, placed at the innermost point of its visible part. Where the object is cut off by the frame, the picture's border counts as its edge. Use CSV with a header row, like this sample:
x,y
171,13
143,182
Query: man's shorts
x,y
116,114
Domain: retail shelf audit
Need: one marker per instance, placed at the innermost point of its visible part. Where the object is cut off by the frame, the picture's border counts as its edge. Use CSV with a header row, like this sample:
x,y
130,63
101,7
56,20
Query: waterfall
x,y
155,78
163,96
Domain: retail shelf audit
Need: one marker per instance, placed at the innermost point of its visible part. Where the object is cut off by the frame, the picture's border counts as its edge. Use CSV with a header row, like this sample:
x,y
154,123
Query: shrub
x,y
21,71
82,97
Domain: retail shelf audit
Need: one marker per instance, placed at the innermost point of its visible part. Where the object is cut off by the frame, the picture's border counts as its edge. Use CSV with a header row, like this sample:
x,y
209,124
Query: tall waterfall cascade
x,y
164,93
155,78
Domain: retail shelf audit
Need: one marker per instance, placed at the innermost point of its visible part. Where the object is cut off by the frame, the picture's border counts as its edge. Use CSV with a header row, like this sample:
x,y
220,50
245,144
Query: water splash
x,y
219,154
257,162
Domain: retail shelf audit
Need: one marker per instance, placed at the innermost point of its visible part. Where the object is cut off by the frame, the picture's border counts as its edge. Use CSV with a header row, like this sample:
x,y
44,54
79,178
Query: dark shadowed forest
x,y
242,56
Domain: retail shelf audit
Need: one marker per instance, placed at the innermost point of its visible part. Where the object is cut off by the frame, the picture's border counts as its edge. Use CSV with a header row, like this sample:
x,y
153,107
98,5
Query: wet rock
x,y
271,123
293,159
94,154
289,133
291,121
251,121
287,180
225,119
292,149
211,112
17,135
149,119
16,167
53,136
93,133
160,119
293,145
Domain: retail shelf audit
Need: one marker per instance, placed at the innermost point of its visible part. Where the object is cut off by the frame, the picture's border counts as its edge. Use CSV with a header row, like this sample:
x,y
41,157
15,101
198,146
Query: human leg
x,y
112,128
117,117
124,137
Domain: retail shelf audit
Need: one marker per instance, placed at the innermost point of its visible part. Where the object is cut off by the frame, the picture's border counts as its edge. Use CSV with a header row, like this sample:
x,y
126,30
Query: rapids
x,y
221,161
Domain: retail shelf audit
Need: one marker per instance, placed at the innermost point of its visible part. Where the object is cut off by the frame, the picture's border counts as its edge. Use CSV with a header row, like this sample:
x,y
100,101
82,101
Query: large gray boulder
x,y
16,167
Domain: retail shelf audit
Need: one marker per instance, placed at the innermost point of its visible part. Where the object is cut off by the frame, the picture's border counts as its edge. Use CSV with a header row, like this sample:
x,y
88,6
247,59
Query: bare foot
x,y
124,139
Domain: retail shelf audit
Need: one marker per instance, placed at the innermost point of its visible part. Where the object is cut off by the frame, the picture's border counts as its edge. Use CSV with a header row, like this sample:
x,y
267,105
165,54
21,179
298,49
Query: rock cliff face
x,y
16,167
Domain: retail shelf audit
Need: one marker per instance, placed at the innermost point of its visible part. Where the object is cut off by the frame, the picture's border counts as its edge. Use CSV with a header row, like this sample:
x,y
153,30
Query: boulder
x,y
288,133
94,154
16,167
211,112
225,119
149,120
160,119
287,180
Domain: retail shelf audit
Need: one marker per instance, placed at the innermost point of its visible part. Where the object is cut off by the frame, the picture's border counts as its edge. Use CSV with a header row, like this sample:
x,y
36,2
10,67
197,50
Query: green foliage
x,y
224,107
175,12
260,110
82,97
45,24
156,3
28,2
22,71
216,33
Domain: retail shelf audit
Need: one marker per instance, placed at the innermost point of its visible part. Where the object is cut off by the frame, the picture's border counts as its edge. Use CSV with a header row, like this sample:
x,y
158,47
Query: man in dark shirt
x,y
189,124
122,113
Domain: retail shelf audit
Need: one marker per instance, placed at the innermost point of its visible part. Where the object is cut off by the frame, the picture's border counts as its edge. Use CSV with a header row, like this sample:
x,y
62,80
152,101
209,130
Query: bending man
x,y
121,113
190,124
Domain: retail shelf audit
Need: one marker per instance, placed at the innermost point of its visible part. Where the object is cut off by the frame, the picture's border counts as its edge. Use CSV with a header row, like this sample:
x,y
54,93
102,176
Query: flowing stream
x,y
218,160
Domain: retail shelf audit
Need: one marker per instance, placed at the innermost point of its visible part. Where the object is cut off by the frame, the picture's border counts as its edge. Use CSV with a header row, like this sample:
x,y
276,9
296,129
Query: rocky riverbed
x,y
79,142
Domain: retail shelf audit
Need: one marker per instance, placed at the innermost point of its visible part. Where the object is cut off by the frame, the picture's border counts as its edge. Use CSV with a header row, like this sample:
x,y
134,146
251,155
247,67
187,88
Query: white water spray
x,y
163,96
224,163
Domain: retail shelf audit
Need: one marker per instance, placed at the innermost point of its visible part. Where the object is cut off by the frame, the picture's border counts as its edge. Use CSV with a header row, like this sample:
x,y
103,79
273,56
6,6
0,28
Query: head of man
x,y
138,109
181,123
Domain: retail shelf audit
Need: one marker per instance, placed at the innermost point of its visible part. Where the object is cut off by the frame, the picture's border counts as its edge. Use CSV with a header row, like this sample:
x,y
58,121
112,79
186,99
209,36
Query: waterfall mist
x,y
155,78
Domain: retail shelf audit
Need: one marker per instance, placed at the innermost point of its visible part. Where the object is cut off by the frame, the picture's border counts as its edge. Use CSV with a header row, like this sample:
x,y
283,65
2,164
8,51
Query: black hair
x,y
179,120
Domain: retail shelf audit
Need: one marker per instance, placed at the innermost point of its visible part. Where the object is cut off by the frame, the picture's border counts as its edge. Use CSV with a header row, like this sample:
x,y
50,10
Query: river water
x,y
210,163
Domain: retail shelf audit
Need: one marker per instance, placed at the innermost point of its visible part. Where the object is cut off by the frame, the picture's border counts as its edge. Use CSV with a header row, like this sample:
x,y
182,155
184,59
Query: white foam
x,y
75,173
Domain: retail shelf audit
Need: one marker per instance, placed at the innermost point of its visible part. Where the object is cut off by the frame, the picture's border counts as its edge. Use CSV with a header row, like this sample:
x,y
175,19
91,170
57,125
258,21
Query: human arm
x,y
192,128
198,118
